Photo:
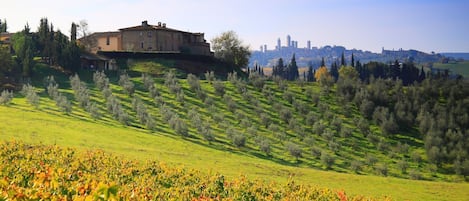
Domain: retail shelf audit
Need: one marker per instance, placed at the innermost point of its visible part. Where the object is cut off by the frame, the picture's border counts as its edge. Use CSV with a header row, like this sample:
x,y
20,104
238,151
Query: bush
x,y
239,140
382,169
402,165
316,152
193,82
264,146
206,132
293,149
285,114
31,96
178,125
210,76
371,160
63,103
93,109
148,81
6,97
100,80
256,80
126,84
327,160
356,166
415,175
288,96
219,87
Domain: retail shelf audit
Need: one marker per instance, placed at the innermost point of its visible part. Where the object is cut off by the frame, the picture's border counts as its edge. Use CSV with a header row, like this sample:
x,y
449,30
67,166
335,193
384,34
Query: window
x,y
108,40
149,34
141,45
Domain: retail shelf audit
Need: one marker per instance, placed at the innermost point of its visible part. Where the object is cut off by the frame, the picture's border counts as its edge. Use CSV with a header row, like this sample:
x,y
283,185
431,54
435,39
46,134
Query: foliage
x,y
31,96
229,48
95,175
6,97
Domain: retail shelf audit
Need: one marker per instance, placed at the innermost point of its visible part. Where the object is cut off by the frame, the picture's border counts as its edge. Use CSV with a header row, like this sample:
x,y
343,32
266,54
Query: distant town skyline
x,y
426,25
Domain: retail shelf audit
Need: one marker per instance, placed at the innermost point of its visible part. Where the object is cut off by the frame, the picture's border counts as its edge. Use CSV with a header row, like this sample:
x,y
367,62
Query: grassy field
x,y
461,68
47,125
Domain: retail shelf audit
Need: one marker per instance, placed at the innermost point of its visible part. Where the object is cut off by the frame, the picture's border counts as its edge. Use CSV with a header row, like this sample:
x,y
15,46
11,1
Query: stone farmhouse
x,y
150,38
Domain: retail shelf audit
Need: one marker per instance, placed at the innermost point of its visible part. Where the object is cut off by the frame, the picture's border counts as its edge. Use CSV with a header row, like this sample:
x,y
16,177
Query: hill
x,y
281,130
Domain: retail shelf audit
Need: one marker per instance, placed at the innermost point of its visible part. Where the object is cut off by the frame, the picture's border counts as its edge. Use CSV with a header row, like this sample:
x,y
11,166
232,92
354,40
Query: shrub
x,y
285,114
264,146
318,127
153,91
402,165
6,97
100,80
288,96
333,146
327,160
345,132
126,84
148,81
256,80
370,159
93,109
219,87
206,132
293,149
193,82
239,140
180,97
316,152
64,104
382,169
31,96
178,125
356,166
209,76
265,119
415,175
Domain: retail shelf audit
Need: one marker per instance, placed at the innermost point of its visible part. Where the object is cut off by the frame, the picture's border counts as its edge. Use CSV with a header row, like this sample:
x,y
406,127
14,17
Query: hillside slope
x,y
249,130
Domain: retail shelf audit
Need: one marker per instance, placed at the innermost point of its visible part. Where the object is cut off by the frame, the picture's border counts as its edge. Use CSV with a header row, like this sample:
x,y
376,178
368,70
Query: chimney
x,y
144,23
159,24
164,25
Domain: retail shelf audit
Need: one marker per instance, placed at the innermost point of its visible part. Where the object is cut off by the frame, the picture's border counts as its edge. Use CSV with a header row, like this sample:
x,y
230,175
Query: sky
x,y
426,25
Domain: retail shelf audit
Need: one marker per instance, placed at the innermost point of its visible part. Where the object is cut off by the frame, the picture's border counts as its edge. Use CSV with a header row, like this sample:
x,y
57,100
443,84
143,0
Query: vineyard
x,y
42,172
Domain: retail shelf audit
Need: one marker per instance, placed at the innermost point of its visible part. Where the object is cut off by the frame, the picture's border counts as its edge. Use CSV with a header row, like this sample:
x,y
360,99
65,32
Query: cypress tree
x,y
353,61
342,59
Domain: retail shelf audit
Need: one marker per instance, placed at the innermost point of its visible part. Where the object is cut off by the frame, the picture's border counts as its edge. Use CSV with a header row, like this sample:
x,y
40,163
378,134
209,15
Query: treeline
x,y
53,47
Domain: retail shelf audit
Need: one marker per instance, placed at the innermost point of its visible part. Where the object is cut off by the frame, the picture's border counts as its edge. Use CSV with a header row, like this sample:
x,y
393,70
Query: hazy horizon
x,y
427,26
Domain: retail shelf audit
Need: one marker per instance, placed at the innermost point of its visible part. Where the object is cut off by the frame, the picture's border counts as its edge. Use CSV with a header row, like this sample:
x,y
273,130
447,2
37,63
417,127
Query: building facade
x,y
149,38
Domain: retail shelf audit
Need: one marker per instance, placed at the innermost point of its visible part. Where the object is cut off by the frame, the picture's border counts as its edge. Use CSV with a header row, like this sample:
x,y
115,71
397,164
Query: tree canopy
x,y
229,48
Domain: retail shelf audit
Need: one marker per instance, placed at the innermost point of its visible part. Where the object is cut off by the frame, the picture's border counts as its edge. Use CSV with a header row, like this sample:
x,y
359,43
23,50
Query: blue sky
x,y
431,25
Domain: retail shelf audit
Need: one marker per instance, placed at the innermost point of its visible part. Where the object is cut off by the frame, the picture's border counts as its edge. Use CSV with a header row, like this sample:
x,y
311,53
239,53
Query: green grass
x,y
461,68
46,125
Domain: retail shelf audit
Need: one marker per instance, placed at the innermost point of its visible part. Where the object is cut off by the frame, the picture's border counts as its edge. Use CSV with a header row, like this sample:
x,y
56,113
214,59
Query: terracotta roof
x,y
108,33
152,27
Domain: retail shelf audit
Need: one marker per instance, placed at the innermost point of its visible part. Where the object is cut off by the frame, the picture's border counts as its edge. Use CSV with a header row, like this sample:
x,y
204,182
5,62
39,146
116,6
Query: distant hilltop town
x,y
309,54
